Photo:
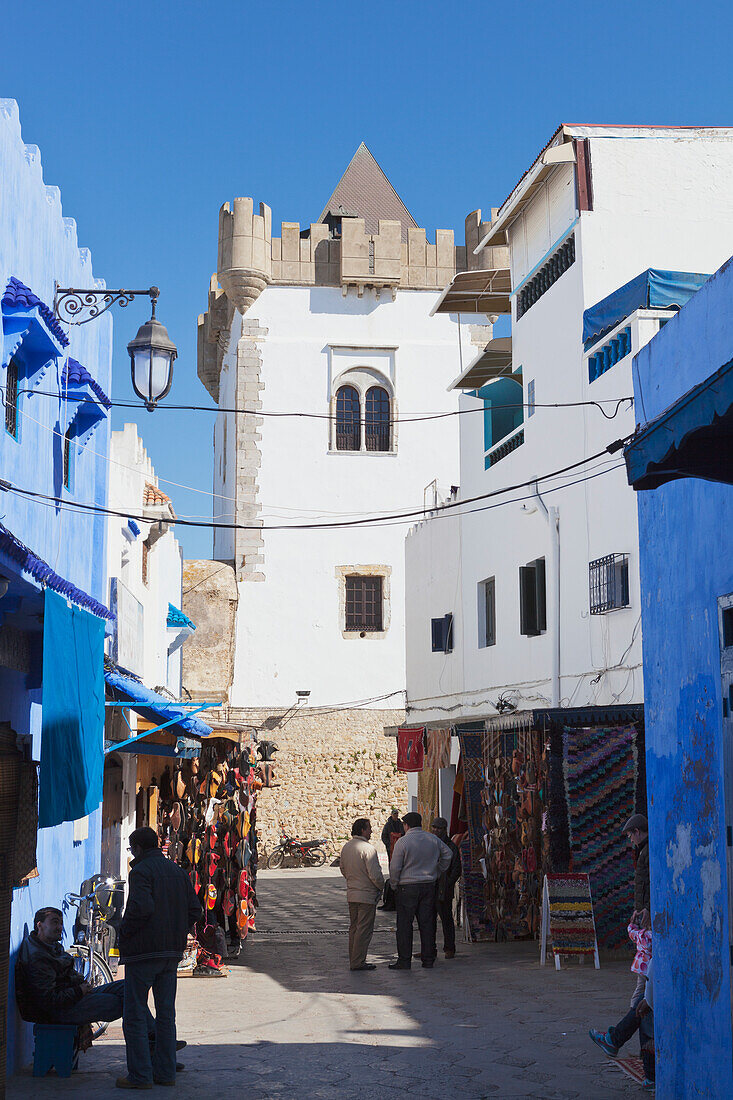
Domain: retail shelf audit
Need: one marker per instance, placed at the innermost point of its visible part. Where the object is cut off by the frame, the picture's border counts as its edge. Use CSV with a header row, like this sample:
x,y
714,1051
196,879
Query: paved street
x,y
292,1021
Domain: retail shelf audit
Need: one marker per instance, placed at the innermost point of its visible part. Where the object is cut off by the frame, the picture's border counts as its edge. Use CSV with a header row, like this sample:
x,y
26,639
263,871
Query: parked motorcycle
x,y
309,852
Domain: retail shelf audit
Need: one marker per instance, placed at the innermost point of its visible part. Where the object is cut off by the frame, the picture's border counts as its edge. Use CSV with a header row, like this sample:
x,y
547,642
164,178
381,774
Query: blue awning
x,y
692,438
154,707
653,289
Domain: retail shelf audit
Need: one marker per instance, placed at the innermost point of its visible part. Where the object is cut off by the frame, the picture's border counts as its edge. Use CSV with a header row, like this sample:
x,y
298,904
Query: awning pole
x,y
173,722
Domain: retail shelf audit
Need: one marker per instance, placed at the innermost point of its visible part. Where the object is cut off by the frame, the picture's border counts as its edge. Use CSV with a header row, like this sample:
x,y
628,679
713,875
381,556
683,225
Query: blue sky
x,y
151,114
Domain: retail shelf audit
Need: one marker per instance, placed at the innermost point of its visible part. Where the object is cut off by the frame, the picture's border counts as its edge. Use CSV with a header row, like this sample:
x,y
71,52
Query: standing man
x,y
161,909
447,887
359,865
392,831
418,860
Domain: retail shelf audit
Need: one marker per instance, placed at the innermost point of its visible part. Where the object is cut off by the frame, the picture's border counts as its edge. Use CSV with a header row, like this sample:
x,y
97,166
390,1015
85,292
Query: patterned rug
x,y
572,930
471,741
438,751
600,768
632,1067
427,795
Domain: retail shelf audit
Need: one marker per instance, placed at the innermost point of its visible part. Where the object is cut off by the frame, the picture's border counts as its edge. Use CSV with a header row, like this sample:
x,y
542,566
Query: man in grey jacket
x,y
359,865
418,860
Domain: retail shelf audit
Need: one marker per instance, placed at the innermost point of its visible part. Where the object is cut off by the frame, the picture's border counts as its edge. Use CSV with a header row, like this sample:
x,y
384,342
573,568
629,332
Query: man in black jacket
x,y
161,909
49,989
447,887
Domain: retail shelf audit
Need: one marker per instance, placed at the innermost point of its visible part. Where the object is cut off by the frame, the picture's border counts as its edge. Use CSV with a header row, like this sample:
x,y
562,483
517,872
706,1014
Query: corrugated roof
x,y
365,192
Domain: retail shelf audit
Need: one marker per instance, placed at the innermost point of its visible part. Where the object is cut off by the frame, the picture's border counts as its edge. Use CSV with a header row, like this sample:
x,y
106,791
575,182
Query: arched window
x,y
376,419
348,419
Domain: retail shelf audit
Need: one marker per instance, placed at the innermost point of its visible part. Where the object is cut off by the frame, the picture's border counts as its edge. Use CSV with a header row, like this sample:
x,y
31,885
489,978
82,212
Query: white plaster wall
x,y
657,203
289,631
130,469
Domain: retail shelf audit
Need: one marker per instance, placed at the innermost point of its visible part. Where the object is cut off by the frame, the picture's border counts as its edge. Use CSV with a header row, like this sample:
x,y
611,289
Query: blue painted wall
x,y
686,564
39,245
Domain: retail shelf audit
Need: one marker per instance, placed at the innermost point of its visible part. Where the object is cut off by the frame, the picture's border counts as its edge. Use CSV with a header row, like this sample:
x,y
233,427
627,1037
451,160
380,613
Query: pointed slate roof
x,y
365,192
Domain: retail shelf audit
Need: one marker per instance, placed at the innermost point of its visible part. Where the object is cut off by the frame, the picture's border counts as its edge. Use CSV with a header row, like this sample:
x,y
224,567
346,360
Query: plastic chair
x,y
55,1045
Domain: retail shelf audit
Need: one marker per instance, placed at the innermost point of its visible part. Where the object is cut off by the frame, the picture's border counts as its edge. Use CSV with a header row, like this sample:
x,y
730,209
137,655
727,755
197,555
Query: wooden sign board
x,y
567,918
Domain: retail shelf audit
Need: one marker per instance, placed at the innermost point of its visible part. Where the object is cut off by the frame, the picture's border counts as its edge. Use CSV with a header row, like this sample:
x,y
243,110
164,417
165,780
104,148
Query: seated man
x,y
49,989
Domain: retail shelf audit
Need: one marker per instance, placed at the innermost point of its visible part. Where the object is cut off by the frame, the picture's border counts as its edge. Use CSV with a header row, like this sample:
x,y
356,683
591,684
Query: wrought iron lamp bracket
x,y
77,307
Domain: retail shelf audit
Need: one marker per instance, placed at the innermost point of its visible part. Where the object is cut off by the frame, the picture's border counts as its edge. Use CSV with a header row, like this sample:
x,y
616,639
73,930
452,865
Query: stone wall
x,y
332,768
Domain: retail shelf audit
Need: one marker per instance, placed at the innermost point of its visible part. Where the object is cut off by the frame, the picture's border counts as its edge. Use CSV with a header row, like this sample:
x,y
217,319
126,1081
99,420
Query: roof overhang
x,y
493,361
692,438
476,292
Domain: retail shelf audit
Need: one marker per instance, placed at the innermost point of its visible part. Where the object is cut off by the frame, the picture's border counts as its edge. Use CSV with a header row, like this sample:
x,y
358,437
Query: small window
x,y
348,419
11,398
532,598
727,617
376,419
487,613
608,583
67,459
530,398
364,604
442,634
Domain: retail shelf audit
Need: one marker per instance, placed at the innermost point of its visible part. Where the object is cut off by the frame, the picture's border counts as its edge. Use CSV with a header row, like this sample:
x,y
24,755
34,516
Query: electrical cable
x,y
387,518
332,417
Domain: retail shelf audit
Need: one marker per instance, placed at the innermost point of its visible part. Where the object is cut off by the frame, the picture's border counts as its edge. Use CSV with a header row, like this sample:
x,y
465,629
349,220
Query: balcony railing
x,y
501,450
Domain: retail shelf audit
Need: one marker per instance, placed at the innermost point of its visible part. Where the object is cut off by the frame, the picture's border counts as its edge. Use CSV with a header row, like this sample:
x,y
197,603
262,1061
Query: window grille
x,y
371,255
608,582
348,419
11,399
67,460
442,634
532,598
487,612
364,603
609,354
376,419
530,398
547,275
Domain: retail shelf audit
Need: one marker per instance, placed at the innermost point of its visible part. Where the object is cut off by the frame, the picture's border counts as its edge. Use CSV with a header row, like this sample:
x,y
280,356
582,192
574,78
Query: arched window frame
x,y
363,379
348,434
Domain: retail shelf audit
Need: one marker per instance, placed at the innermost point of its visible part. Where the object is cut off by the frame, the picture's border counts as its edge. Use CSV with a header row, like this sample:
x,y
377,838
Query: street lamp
x,y
151,361
152,352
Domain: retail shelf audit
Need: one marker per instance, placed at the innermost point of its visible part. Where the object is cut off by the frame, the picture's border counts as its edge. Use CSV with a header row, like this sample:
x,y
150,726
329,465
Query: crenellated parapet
x,y
341,254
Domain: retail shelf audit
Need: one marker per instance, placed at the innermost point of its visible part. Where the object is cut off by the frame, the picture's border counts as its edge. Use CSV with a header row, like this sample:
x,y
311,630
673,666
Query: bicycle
x,y
96,947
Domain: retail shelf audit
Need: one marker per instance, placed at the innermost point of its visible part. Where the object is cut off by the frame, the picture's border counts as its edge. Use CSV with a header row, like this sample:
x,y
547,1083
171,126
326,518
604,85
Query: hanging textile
x,y
472,847
600,769
410,750
438,751
72,724
427,796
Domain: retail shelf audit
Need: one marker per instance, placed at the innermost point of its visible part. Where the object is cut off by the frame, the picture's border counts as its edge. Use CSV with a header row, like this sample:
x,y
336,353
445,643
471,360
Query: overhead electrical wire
x,y
386,519
617,401
222,497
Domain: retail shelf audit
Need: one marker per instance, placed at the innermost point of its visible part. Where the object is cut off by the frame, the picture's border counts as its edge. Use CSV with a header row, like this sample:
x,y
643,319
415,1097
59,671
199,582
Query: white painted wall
x,y
289,634
130,470
658,202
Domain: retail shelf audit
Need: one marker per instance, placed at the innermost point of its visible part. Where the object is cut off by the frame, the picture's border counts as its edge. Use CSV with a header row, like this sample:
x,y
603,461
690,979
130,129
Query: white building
x,y
144,565
543,581
332,321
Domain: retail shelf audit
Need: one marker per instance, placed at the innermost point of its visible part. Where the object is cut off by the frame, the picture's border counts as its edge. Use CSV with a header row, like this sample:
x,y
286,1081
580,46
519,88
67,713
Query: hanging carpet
x,y
427,796
600,769
438,750
474,883
410,749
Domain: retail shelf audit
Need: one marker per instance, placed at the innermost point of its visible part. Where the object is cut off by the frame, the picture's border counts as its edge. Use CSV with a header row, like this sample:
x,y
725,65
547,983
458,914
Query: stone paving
x,y
292,1021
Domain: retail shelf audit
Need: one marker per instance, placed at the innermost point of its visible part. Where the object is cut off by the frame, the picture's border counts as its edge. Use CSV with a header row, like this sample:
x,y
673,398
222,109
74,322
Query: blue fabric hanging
x,y
72,727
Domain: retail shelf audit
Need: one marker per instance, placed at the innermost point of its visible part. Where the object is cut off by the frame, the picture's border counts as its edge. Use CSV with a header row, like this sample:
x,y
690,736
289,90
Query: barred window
x,y
67,460
11,399
608,582
364,603
376,419
348,419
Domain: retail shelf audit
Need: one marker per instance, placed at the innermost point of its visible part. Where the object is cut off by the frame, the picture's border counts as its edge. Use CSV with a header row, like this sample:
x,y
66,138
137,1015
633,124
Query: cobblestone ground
x,y
291,1020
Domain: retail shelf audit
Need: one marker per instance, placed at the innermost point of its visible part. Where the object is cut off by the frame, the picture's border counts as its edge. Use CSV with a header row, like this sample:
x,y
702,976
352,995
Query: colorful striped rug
x,y
600,768
572,929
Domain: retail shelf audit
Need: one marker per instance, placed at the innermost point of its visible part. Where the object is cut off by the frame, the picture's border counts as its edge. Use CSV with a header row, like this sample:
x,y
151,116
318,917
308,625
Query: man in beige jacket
x,y
359,865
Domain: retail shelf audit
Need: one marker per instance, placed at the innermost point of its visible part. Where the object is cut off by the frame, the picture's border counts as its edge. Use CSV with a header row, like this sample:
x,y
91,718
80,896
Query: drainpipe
x,y
552,515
